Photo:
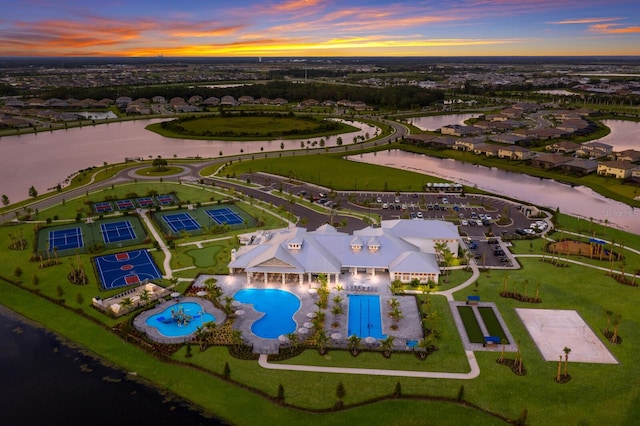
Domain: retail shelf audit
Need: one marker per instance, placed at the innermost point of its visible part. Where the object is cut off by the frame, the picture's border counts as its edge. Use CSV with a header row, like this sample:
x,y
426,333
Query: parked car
x,y
420,215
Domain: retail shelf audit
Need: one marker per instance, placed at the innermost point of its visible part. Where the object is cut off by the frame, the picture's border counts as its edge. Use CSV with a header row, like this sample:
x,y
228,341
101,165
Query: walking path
x,y
475,370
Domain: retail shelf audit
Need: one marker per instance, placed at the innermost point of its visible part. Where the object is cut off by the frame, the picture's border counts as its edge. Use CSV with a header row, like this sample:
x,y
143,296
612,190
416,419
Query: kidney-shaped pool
x,y
278,306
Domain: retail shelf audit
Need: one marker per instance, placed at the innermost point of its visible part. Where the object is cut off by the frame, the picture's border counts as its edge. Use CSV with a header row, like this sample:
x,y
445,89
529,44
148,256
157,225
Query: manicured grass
x,y
344,175
250,127
153,171
491,322
474,333
597,394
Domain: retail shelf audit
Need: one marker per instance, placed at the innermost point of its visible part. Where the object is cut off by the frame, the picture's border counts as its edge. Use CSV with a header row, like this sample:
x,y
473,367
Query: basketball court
x,y
126,268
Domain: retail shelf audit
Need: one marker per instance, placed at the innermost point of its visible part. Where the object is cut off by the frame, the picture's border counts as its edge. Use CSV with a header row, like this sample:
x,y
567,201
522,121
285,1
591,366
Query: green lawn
x,y
343,175
597,394
250,127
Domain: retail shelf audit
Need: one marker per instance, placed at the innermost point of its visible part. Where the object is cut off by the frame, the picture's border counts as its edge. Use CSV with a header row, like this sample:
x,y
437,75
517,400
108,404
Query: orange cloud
x,y
294,5
584,21
613,29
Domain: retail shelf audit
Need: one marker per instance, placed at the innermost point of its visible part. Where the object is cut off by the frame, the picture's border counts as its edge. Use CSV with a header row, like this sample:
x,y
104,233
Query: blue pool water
x,y
278,306
364,316
181,319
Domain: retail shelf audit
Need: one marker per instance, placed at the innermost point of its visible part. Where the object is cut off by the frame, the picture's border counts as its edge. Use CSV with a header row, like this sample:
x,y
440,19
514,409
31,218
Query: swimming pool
x,y
278,306
365,318
181,319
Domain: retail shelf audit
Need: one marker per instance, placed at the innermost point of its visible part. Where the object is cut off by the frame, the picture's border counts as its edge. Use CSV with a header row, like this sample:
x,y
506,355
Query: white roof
x,y
328,251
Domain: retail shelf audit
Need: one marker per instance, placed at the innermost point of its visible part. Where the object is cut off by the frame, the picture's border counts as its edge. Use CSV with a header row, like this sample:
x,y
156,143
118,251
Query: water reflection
x,y
434,122
579,201
44,159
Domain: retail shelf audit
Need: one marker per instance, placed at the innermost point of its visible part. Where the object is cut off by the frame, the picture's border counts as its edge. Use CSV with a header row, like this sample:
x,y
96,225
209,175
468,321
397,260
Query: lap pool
x,y
365,318
278,306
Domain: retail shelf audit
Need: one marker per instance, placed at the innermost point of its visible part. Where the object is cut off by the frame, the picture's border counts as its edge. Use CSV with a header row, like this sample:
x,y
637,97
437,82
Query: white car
x,y
419,215
379,200
464,222
487,216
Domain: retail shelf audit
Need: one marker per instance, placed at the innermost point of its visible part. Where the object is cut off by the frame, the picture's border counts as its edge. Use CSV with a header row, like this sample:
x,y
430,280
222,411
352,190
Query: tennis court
x,y
126,268
103,207
65,239
225,215
166,199
145,202
181,222
125,205
117,231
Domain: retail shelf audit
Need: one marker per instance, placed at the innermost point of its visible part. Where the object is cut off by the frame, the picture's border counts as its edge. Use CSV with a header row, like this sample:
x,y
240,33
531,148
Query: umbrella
x,y
307,325
201,293
236,303
312,315
303,330
283,338
175,294
336,336
239,312
369,340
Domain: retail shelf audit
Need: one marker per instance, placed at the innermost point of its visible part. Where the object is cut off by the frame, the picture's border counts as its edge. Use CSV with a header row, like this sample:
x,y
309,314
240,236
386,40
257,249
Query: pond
x,y
578,201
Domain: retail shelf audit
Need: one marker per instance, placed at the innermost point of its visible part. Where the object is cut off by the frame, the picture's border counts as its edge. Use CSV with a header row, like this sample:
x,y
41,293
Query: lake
x,y
45,382
578,201
47,158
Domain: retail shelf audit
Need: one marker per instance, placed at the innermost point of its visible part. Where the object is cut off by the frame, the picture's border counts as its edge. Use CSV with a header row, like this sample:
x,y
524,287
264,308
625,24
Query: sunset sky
x,y
319,28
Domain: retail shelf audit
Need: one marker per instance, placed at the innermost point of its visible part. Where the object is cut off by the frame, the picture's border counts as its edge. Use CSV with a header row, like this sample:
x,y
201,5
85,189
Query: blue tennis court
x,y
225,215
181,222
117,231
166,199
125,205
145,202
127,268
65,239
103,207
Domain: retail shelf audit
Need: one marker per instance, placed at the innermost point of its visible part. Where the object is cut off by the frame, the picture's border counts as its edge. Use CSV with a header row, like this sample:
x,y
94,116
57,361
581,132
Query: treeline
x,y
396,97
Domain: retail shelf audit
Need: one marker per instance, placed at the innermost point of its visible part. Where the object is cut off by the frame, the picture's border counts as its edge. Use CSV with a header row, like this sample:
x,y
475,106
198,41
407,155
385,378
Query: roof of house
x,y
394,245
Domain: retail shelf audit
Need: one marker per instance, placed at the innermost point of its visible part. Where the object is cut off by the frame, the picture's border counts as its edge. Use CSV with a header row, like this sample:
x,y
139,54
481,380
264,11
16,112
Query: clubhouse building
x,y
404,249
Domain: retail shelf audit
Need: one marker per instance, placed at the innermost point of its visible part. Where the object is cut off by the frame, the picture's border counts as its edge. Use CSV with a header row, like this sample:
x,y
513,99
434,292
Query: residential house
x,y
630,155
594,149
467,144
509,138
549,161
563,147
459,130
486,149
515,152
582,166
617,169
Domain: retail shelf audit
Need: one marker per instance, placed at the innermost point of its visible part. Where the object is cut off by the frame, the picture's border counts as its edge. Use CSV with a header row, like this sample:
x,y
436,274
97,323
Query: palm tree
x,y
387,345
566,351
236,337
126,303
504,346
616,323
145,295
558,378
609,314
354,344
201,337
321,340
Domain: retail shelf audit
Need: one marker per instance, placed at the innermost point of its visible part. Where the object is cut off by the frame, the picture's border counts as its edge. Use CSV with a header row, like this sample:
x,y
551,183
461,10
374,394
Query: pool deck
x,y
409,328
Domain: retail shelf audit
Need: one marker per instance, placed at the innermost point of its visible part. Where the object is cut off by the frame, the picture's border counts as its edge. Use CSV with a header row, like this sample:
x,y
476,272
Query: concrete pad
x,y
552,330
